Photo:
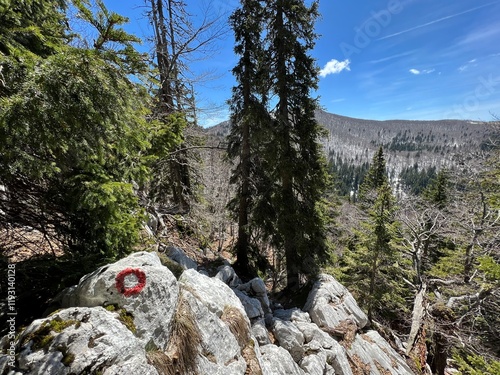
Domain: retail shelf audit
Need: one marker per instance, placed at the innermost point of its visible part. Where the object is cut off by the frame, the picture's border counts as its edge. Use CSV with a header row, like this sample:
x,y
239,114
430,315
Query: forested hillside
x,y
101,155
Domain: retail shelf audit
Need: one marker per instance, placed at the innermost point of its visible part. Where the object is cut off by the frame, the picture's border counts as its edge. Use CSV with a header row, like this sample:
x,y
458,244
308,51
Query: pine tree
x,y
295,165
374,265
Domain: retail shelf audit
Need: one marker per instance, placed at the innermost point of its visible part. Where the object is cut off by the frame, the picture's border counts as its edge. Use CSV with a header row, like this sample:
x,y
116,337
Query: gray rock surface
x,y
373,350
293,315
152,308
227,274
220,352
252,306
92,340
260,332
257,288
290,338
318,341
231,325
330,303
178,255
278,361
212,292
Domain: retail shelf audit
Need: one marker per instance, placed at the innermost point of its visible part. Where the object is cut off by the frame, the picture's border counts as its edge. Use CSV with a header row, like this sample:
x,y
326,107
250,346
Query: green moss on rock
x,y
43,336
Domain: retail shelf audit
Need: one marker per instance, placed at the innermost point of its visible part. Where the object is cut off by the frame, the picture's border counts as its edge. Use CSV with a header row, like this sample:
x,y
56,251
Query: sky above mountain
x,y
379,59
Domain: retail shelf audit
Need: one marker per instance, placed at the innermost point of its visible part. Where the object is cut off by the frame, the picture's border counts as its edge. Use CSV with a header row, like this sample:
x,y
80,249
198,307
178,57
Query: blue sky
x,y
379,59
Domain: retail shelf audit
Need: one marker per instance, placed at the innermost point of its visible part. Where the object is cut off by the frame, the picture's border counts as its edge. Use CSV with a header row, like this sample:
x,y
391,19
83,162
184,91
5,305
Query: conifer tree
x,y
296,167
375,178
374,265
73,136
249,113
437,192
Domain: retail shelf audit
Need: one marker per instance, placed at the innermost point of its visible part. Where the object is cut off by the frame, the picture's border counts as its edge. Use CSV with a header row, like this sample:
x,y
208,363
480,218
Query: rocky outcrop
x,y
151,307
82,340
134,317
330,303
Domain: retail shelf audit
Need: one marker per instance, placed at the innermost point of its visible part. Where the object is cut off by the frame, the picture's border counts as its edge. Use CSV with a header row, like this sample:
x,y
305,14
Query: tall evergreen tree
x,y
375,178
249,113
298,171
374,265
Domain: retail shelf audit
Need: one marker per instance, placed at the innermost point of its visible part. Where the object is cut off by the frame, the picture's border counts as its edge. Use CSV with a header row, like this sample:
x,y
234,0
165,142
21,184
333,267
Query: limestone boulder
x,y
373,351
278,361
319,342
257,288
252,306
290,338
260,332
227,274
211,292
293,315
219,351
150,301
82,340
330,303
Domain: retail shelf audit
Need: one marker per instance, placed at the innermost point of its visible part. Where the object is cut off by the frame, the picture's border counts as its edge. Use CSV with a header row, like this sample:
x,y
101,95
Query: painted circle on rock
x,y
120,281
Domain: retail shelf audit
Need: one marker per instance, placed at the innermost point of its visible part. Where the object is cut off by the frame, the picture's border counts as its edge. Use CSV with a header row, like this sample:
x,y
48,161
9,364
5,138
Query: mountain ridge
x,y
406,143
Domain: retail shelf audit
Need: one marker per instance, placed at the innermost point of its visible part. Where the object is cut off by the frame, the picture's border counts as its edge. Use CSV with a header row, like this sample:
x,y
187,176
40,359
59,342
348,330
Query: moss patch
x,y
173,266
43,336
126,318
68,357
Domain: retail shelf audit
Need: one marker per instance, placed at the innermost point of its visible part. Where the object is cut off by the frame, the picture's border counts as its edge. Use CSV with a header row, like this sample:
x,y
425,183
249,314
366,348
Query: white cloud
x,y
425,71
334,67
470,63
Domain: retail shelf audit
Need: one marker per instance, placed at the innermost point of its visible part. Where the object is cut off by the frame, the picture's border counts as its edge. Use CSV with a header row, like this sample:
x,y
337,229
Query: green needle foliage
x,y
374,267
276,140
73,130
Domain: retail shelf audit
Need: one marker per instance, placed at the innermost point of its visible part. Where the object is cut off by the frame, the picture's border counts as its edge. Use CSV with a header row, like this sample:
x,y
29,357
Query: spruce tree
x,y
249,113
437,192
296,167
374,265
375,178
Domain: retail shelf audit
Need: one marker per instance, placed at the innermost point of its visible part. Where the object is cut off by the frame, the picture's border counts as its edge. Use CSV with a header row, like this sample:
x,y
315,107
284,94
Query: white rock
x,y
257,288
329,303
294,315
278,361
213,293
252,306
152,308
219,352
373,349
260,332
336,354
97,341
314,364
290,338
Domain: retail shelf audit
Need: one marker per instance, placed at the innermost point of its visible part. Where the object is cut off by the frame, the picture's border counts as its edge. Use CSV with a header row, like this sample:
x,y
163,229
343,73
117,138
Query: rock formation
x,y
135,317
